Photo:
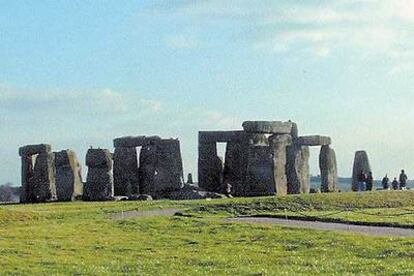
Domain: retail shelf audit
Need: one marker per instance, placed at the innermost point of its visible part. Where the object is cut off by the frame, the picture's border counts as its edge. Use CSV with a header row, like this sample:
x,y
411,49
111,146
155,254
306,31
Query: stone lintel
x,y
314,140
221,136
134,141
34,149
271,127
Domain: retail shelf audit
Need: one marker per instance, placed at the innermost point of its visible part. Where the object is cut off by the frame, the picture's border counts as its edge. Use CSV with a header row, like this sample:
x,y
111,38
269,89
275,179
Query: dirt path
x,y
138,214
366,230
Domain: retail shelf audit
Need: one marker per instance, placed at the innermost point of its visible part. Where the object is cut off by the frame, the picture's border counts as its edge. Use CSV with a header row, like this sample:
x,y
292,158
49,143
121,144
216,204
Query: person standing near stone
x,y
386,183
361,181
369,181
403,180
395,184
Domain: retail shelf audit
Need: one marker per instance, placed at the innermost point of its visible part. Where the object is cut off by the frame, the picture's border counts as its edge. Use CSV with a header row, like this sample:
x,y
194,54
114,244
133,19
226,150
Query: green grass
x,y
79,238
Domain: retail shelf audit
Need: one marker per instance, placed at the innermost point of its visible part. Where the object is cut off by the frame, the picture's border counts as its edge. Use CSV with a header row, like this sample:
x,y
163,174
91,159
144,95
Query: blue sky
x,y
80,73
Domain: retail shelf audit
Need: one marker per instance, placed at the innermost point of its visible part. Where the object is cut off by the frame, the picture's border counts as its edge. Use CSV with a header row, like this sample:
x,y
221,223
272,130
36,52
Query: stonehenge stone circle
x,y
361,163
38,174
99,184
264,158
69,184
328,167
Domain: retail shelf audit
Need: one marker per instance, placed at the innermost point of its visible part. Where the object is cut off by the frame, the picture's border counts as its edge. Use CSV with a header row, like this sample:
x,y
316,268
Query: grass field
x,y
80,238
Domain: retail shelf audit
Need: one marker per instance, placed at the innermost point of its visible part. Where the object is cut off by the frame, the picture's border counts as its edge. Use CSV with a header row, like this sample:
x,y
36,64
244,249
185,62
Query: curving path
x,y
380,231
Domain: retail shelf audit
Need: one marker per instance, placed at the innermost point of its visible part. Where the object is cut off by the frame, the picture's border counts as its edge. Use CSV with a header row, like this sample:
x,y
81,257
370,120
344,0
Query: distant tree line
x,y
8,193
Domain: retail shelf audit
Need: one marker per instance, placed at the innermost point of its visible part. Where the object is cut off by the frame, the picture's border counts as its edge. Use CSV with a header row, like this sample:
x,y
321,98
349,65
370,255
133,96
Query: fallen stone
x,y
314,140
191,193
140,197
274,127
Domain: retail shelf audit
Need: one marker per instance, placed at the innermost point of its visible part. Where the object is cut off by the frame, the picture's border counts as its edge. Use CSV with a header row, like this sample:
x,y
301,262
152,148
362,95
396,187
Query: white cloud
x,y
318,30
152,104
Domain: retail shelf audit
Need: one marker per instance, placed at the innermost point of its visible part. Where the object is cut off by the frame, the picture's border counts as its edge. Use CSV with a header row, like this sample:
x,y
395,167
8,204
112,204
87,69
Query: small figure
x,y
369,180
386,183
395,184
361,181
403,180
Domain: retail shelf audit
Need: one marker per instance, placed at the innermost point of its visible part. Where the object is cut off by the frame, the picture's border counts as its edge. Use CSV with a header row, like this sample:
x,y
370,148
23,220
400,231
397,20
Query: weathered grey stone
x,y
99,158
190,192
34,149
314,140
328,167
210,167
135,141
258,139
274,127
126,173
235,166
278,145
361,162
161,168
190,179
295,132
297,169
140,197
260,177
38,174
221,136
69,184
99,183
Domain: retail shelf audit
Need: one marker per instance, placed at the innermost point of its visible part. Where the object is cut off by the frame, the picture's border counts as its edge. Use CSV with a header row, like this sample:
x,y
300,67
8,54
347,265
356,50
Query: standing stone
x,y
126,174
69,184
161,169
210,167
235,166
38,174
190,179
99,183
361,162
278,145
297,169
260,176
328,167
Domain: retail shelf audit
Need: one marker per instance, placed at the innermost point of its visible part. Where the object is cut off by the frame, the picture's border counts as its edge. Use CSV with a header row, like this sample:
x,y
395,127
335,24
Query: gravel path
x,y
366,230
138,214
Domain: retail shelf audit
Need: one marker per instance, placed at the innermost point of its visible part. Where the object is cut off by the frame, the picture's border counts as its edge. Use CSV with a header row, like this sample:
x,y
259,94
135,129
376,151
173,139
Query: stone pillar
x,y
210,167
235,166
259,176
169,174
297,169
69,184
329,173
361,162
38,181
126,175
161,167
190,179
99,183
278,145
